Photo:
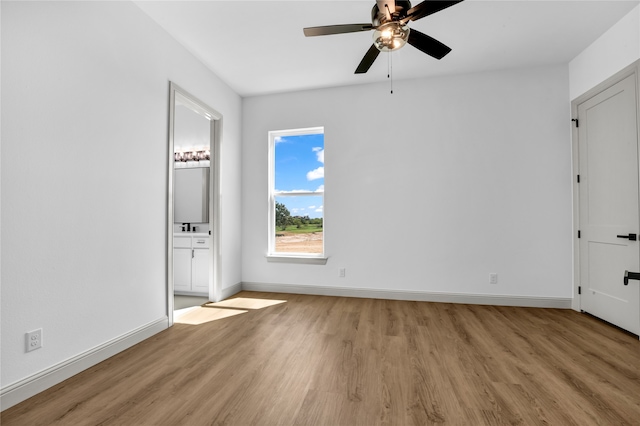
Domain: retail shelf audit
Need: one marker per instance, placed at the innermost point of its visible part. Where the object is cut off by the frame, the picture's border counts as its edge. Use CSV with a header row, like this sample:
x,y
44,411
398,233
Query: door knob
x,y
630,237
630,276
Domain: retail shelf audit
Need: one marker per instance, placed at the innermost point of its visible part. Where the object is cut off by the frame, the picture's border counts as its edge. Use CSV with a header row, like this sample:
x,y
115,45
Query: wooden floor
x,y
345,361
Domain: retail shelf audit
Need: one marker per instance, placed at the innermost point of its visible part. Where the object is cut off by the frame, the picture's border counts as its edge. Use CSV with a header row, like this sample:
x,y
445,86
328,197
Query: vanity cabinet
x,y
191,264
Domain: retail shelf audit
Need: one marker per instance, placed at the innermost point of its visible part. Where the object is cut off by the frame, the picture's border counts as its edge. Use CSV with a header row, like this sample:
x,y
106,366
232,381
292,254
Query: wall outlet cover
x,y
34,340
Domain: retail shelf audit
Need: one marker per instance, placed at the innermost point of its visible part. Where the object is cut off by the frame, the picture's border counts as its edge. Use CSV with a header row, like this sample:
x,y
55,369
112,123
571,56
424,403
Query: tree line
x,y
284,219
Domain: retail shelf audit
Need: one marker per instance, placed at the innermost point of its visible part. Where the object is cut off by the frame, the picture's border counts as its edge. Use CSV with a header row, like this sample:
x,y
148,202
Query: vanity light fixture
x,y
192,156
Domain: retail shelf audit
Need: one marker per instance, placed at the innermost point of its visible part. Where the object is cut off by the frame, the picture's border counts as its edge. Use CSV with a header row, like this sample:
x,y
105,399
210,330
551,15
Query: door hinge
x,y
578,233
576,121
578,178
579,290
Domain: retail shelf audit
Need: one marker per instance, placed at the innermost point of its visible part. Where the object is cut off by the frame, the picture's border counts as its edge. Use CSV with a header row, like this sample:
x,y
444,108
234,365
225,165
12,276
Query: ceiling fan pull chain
x,y
390,76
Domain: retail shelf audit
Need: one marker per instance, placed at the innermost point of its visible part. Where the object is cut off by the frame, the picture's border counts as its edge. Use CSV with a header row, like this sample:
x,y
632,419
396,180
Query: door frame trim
x,y
216,120
632,69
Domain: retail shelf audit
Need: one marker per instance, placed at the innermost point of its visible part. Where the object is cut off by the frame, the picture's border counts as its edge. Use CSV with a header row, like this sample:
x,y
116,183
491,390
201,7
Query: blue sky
x,y
299,166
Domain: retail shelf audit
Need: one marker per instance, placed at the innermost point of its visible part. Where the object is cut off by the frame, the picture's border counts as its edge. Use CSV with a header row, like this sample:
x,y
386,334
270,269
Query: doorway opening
x,y
193,218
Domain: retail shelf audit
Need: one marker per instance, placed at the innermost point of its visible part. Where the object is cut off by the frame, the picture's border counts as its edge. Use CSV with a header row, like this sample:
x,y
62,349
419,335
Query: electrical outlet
x,y
34,340
343,272
493,278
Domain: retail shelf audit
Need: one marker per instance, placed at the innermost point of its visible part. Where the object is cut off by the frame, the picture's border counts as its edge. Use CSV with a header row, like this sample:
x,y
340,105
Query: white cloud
x,y
312,207
319,209
320,188
316,174
319,153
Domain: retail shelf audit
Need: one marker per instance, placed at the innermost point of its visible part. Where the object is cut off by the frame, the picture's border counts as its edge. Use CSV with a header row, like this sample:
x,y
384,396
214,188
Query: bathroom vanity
x,y
190,263
191,249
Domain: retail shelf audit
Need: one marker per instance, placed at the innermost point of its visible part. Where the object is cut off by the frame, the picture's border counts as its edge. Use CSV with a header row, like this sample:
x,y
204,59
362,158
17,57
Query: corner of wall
x,y
613,51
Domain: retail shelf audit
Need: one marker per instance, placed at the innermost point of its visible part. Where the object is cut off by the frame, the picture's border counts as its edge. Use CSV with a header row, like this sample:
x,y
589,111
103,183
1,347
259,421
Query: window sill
x,y
301,259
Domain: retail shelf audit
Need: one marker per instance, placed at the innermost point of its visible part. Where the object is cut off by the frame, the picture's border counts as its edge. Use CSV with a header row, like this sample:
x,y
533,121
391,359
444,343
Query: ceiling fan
x,y
389,19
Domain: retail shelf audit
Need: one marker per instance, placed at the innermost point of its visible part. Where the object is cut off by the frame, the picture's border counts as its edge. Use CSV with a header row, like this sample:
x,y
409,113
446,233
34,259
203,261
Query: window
x,y
296,194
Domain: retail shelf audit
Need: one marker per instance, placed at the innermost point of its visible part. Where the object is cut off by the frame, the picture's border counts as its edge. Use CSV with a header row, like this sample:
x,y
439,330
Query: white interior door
x,y
609,210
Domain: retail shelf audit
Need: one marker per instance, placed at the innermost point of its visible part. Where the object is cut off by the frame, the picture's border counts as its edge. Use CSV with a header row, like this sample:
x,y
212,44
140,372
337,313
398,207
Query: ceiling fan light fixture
x,y
389,19
390,36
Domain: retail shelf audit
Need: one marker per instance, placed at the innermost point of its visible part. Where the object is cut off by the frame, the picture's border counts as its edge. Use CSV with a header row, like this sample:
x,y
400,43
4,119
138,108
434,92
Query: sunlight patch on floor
x,y
199,315
245,303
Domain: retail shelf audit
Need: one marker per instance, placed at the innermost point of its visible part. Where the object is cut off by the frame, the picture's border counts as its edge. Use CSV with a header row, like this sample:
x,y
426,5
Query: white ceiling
x,y
257,47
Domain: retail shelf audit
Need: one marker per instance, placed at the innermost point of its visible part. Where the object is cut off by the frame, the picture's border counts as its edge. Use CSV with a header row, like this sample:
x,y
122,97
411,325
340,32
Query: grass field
x,y
304,229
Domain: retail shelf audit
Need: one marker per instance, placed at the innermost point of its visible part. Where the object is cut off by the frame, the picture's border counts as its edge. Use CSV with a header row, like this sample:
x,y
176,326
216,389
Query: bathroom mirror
x,y
191,195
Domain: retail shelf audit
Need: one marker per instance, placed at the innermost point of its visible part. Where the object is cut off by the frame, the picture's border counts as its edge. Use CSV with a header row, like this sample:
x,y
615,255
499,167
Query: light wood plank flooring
x,y
345,361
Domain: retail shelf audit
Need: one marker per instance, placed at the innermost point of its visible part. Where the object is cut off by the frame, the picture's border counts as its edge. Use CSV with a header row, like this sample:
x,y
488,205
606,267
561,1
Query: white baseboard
x,y
230,291
188,293
26,388
420,296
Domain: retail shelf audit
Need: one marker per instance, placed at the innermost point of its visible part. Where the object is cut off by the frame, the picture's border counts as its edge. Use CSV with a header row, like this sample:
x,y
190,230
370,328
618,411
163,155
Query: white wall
x,y
191,131
85,89
429,189
610,53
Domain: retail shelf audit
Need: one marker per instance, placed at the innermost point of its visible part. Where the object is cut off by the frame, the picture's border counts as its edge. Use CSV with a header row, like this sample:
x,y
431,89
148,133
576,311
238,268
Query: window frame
x,y
290,257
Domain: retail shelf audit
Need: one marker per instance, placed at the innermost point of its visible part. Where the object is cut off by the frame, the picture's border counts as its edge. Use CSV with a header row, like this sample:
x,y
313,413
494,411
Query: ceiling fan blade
x,y
429,7
336,29
428,45
368,60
